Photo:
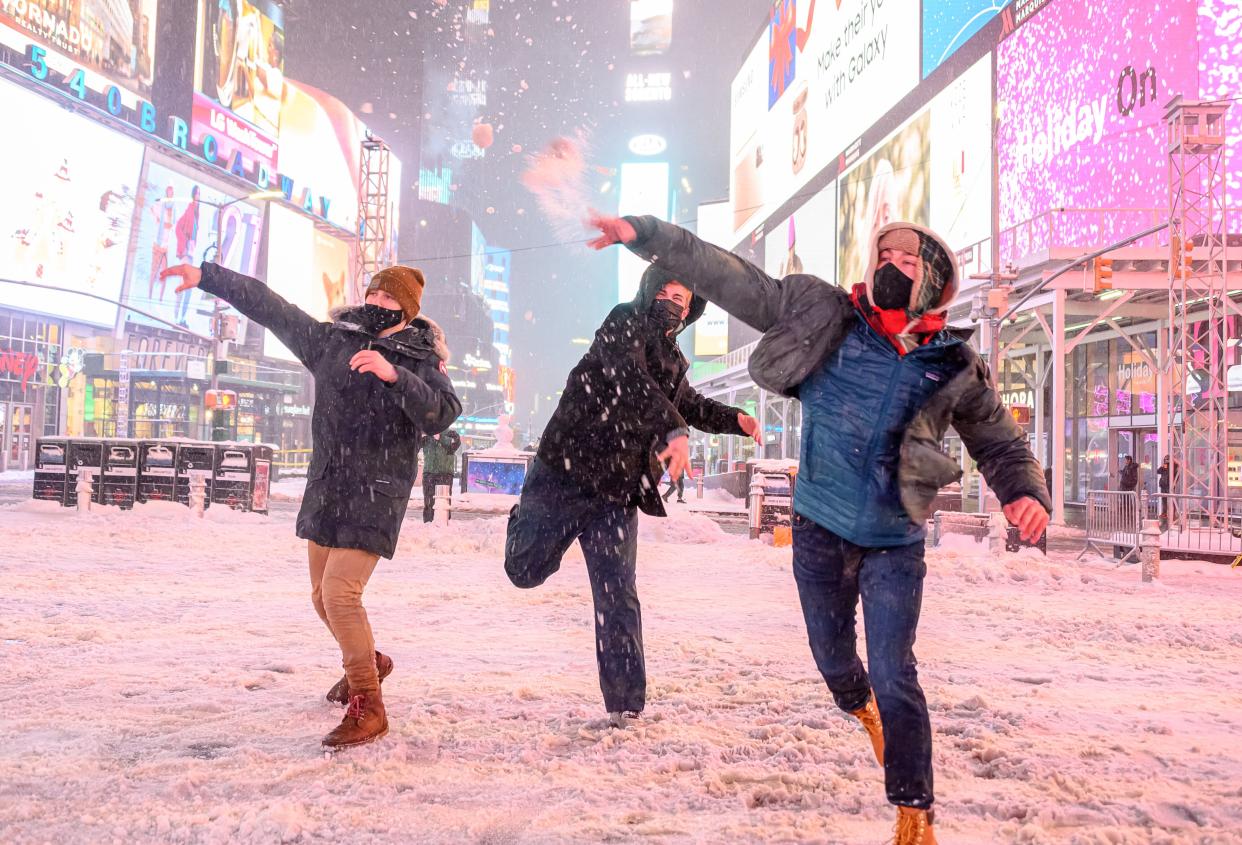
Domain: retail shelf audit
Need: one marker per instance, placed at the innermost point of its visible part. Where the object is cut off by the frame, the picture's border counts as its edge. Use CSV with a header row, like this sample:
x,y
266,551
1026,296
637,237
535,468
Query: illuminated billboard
x,y
948,24
320,145
239,78
711,331
305,266
177,221
1090,135
67,211
786,254
651,26
820,76
644,190
112,42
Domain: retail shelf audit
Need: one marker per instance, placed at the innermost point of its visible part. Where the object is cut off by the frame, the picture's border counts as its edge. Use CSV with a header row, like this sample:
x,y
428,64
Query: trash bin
x,y
84,454
157,470
195,458
51,469
243,476
120,473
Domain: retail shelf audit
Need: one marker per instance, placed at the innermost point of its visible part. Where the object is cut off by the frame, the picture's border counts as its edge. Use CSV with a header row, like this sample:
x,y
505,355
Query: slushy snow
x,y
163,680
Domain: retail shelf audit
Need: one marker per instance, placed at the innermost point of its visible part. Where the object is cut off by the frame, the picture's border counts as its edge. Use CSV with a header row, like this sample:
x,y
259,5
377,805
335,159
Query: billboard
x,y
820,76
948,24
644,190
651,27
711,331
239,78
176,222
320,145
112,42
67,211
1091,135
307,267
891,183
785,253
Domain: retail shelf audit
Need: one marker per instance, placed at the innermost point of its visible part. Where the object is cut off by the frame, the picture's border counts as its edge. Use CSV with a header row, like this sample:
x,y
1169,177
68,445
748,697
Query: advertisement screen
x,y
785,253
113,42
305,266
320,146
711,331
177,221
651,26
239,77
1220,56
644,190
495,476
830,71
948,24
1092,134
891,183
67,210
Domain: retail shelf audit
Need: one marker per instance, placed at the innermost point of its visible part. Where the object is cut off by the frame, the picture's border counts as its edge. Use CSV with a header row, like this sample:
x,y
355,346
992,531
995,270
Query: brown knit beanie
x,y
404,284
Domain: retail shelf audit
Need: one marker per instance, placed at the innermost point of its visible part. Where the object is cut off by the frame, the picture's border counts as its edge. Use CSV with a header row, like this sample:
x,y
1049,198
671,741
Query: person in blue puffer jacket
x,y
880,378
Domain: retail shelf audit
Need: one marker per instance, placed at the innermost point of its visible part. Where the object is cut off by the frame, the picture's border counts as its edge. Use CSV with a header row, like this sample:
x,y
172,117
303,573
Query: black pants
x,y
552,513
430,483
679,485
832,573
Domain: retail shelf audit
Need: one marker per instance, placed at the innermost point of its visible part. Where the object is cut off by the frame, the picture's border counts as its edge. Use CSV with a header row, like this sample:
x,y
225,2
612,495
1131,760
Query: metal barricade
x,y
1207,525
1113,520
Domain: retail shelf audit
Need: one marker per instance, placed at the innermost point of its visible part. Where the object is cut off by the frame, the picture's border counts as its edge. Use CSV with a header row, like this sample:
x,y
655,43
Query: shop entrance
x,y
1143,445
16,435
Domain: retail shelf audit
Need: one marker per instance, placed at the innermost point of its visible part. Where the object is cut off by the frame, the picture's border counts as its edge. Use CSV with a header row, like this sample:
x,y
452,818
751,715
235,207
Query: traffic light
x,y
1021,414
1103,269
220,400
1183,258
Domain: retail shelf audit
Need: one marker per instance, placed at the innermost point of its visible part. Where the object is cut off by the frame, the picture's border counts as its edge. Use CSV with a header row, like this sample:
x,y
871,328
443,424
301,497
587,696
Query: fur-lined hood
x,y
423,334
952,284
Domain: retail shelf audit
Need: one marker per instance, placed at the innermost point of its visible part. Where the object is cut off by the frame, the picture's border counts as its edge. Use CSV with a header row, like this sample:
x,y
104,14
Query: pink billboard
x,y
1081,90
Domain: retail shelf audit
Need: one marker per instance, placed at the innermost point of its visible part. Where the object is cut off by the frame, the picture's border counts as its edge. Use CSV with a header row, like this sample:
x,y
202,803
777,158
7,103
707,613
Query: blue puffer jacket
x,y
856,409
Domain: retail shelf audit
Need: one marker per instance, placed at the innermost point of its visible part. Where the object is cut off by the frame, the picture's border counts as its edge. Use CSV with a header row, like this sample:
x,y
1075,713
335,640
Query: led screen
x,y
644,190
67,210
320,146
805,242
651,26
305,266
177,219
948,24
484,476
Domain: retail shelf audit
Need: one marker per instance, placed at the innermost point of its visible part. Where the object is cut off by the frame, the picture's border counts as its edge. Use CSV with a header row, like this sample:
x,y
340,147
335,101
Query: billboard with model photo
x,y
307,267
67,210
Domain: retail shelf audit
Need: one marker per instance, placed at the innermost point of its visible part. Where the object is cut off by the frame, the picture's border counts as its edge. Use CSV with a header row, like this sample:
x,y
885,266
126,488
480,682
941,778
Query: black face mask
x,y
667,315
891,288
373,319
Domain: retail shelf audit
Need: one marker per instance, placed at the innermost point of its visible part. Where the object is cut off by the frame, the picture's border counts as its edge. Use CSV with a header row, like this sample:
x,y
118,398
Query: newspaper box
x,y
85,455
195,460
51,468
242,476
157,470
120,473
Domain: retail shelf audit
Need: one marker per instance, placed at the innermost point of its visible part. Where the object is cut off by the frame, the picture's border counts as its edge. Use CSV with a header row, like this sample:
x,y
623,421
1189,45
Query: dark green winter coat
x,y
805,320
439,454
366,432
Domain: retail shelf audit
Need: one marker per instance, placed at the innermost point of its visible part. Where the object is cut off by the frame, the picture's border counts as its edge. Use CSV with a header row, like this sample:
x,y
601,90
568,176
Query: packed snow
x,y
164,680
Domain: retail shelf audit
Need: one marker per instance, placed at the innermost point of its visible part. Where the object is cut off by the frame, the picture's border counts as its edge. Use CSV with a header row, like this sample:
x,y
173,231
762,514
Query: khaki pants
x,y
338,577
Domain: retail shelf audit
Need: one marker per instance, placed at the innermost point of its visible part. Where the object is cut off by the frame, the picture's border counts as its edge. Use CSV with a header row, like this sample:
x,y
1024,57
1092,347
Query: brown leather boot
x,y
339,694
914,827
365,721
869,715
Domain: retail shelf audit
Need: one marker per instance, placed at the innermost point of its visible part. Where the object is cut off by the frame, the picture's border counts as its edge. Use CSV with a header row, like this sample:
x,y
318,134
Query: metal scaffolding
x,y
374,212
1196,364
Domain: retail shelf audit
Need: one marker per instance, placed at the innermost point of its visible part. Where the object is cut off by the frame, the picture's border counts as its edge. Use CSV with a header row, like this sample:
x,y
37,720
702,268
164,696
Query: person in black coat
x,y
626,408
381,386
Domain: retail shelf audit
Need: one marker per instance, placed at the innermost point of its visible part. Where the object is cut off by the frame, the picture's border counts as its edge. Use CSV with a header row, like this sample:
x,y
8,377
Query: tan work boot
x,y
365,721
339,694
914,827
870,718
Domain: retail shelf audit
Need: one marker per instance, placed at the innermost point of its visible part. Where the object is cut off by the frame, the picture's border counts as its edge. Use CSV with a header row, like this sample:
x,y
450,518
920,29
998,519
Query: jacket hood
x,y
421,335
951,286
653,281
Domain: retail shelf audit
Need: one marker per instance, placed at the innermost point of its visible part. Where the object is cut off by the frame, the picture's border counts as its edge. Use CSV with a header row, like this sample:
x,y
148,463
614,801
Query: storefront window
x,y
1097,379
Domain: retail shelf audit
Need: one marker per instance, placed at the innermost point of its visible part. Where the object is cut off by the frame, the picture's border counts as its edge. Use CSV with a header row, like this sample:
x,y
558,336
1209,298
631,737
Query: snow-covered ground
x,y
163,681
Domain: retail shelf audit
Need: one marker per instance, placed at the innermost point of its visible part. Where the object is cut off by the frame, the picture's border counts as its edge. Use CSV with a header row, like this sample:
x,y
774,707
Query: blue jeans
x,y
553,512
832,573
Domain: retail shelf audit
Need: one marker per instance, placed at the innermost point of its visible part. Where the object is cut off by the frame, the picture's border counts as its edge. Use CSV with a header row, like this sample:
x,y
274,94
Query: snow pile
x,y
166,676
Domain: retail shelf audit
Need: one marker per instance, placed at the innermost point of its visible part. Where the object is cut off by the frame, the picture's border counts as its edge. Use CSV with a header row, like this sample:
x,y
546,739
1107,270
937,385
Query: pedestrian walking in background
x,y
439,468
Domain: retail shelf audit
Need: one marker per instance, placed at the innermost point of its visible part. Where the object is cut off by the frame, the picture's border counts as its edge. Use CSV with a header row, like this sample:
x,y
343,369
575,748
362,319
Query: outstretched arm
x,y
303,334
712,416
734,284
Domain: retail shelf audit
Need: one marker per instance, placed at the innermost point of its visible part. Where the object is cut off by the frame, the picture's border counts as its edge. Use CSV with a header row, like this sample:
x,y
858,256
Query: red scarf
x,y
902,330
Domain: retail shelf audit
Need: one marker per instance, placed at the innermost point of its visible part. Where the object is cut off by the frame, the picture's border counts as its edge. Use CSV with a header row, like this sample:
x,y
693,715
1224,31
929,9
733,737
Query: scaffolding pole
x,y
1196,364
374,213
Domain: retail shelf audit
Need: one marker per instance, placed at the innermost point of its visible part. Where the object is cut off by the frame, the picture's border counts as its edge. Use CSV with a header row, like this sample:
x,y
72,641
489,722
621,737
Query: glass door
x,y
20,436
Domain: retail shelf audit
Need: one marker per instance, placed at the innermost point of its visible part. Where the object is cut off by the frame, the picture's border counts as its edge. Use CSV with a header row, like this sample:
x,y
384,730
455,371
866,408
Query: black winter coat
x,y
623,400
804,321
367,433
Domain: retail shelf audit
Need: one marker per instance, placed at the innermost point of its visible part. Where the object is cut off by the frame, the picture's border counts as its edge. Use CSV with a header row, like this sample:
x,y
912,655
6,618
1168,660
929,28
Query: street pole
x,y
994,305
